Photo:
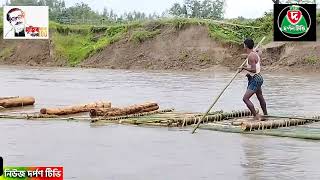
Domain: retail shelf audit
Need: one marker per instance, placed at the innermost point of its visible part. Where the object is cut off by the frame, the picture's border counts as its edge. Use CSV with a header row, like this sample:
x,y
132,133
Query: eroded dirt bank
x,y
190,48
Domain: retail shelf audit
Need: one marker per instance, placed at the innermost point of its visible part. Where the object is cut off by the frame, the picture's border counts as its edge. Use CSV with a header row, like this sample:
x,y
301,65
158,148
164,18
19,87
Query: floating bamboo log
x,y
149,109
271,124
75,109
133,109
106,119
101,111
28,116
16,102
41,117
3,98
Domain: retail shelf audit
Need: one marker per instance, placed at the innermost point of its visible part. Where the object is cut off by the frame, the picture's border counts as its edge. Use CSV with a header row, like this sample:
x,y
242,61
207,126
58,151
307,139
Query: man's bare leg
x,y
246,100
262,101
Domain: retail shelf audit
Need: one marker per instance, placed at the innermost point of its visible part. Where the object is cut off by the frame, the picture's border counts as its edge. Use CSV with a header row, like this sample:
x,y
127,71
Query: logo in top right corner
x,y
295,22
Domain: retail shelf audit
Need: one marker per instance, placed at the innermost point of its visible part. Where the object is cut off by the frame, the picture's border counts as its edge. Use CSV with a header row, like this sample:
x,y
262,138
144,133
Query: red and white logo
x,y
294,16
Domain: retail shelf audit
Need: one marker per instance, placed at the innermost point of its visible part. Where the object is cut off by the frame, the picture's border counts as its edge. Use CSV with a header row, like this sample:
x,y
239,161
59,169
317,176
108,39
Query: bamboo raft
x,y
233,122
293,127
169,118
149,114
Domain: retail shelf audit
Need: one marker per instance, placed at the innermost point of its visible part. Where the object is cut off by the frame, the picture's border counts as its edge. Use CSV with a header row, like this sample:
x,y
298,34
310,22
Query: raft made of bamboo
x,y
308,128
273,124
133,109
16,102
75,109
215,117
168,118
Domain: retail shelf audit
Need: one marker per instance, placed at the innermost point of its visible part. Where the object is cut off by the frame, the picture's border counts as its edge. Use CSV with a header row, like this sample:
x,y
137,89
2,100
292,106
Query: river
x,y
134,153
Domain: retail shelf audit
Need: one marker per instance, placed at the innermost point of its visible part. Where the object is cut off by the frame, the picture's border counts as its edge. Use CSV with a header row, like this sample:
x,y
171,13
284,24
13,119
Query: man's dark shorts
x,y
255,82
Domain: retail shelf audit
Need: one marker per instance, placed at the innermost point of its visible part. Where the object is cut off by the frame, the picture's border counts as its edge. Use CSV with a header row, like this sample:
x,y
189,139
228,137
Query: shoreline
x,y
213,69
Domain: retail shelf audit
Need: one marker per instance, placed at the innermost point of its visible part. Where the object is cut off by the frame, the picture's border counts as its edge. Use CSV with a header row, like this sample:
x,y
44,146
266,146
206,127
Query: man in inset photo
x,y
17,20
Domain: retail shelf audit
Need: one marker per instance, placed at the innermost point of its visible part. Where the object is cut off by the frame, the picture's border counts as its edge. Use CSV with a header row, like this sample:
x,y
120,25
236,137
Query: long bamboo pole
x,y
216,100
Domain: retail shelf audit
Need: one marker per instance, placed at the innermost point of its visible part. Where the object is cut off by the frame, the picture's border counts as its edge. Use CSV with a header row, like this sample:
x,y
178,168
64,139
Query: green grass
x,y
222,34
180,23
77,45
77,42
6,52
311,60
73,47
141,35
1,20
229,31
112,35
204,58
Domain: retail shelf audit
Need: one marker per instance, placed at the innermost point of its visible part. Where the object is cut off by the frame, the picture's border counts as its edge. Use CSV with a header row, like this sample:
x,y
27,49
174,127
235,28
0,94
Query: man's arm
x,y
252,62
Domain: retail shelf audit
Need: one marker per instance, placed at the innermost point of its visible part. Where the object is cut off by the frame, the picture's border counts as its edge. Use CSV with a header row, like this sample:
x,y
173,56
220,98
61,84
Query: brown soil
x,y
29,52
187,49
193,49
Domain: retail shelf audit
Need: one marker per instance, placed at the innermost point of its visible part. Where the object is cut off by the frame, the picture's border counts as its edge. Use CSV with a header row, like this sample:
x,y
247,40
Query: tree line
x,y
212,9
208,9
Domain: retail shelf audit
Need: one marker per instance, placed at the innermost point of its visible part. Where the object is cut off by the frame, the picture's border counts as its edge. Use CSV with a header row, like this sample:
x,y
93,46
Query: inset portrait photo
x,y
25,22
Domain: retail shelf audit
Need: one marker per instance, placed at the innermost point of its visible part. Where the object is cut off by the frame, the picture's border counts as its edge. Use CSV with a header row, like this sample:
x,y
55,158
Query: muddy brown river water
x,y
135,153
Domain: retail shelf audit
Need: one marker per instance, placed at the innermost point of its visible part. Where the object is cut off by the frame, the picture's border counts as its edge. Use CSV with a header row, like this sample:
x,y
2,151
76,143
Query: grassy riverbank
x,y
180,43
76,43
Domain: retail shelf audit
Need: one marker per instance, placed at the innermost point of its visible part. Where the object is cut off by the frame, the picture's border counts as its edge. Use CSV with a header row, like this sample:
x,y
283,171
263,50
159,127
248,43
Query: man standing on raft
x,y
255,80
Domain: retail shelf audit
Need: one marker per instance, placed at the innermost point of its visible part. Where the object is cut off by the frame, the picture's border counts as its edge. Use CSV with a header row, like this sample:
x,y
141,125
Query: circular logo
x,y
294,21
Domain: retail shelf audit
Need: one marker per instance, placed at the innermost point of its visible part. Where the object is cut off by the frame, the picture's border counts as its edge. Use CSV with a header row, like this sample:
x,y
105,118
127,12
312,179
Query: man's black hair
x,y
12,10
249,43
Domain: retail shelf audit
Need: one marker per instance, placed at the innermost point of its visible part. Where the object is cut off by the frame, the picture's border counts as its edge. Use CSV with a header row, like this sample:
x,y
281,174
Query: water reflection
x,y
278,158
254,155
